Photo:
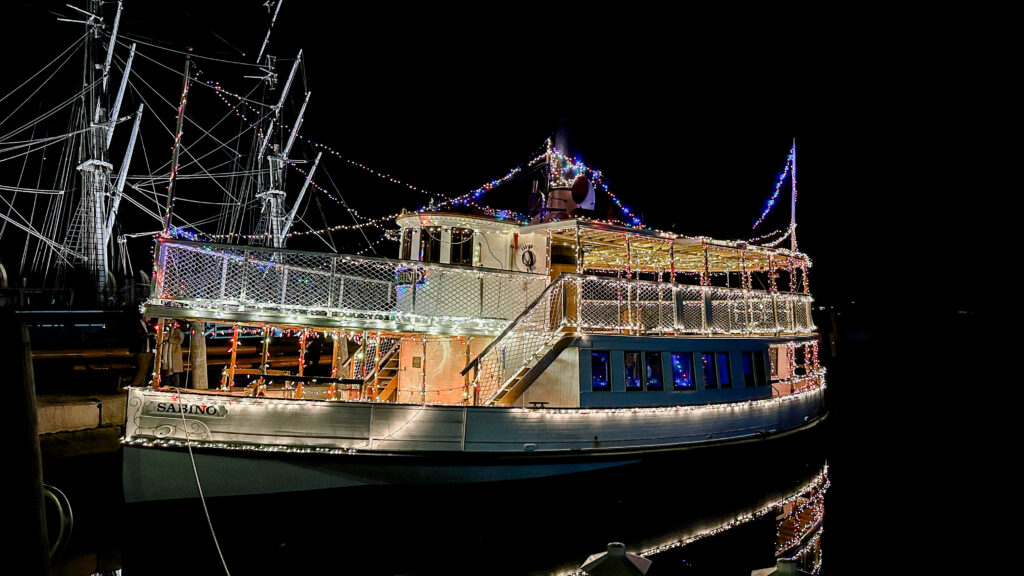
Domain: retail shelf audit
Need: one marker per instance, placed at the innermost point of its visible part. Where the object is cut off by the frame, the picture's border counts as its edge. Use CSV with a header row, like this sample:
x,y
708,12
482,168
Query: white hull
x,y
250,446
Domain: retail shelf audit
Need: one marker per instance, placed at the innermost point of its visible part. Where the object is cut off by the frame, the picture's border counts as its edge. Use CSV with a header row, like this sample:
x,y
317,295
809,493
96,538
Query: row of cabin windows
x,y
643,370
461,246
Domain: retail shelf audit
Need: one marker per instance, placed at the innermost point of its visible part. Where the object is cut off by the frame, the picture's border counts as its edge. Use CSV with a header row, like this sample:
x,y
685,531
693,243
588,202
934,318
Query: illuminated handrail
x,y
218,281
593,304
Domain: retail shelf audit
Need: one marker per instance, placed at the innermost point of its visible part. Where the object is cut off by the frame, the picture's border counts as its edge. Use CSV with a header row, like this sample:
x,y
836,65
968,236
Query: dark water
x,y
553,525
534,527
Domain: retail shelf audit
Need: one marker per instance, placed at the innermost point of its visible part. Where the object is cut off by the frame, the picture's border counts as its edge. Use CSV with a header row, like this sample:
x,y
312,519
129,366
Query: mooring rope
x,y
195,472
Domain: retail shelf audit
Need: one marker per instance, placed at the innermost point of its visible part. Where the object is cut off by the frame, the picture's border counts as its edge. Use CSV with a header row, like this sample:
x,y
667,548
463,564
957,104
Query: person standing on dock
x,y
141,346
172,359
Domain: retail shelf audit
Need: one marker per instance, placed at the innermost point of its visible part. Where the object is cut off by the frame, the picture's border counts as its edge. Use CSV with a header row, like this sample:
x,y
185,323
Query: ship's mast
x,y
94,167
91,225
275,219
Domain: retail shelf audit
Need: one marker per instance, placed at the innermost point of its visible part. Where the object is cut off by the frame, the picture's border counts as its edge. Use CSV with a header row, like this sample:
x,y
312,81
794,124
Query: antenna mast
x,y
792,202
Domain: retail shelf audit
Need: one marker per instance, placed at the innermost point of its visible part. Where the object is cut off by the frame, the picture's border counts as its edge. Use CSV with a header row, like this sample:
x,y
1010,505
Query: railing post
x,y
476,384
158,277
675,308
565,300
415,277
579,302
224,275
729,306
481,297
706,301
747,312
245,275
775,313
284,283
330,285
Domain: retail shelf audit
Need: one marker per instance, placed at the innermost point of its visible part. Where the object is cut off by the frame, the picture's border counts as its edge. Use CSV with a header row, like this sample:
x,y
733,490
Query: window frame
x,y
427,243
705,357
661,371
693,380
727,382
640,370
463,246
607,370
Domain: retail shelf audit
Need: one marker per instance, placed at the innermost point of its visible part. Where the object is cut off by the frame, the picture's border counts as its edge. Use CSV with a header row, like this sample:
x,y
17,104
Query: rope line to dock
x,y
195,471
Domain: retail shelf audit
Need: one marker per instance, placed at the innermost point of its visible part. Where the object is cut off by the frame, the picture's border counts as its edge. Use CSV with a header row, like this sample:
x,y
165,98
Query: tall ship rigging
x,y
491,346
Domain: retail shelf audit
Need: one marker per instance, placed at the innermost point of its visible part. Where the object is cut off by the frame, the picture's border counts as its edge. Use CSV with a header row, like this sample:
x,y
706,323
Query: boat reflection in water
x,y
729,509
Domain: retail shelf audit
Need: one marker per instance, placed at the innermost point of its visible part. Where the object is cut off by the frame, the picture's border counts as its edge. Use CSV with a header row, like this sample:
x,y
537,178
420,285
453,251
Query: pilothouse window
x,y
430,244
462,246
406,253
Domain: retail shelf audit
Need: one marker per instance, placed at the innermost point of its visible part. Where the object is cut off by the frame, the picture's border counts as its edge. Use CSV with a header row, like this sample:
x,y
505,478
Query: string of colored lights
x,y
565,169
465,199
770,203
802,527
769,235
475,193
554,157
383,237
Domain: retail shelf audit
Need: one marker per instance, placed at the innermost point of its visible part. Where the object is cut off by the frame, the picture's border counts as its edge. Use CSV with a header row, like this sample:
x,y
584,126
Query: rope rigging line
x,y
51,112
43,141
29,190
138,39
232,153
184,148
205,133
43,69
361,231
463,199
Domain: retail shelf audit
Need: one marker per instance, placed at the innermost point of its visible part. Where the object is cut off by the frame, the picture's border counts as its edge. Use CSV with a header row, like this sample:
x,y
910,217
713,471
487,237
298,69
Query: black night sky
x,y
688,117
689,133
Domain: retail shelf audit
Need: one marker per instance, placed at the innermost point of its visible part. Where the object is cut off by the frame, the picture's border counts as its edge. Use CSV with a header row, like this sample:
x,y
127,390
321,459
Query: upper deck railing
x,y
227,283
592,304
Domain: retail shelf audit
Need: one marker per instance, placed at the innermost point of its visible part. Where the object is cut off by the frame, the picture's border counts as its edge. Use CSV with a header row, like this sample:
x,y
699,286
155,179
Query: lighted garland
x,y
769,235
563,166
564,171
770,203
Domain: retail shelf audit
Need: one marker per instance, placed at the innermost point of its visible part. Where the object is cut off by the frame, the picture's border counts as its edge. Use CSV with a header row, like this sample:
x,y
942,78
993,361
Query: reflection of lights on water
x,y
812,491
